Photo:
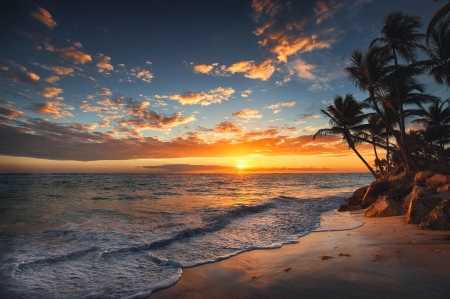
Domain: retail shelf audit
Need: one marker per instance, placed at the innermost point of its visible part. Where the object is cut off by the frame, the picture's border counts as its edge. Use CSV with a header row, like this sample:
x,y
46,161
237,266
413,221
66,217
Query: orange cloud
x,y
61,70
247,113
226,127
203,68
51,108
50,92
253,70
52,79
7,114
279,105
303,69
214,96
267,7
75,55
104,65
43,16
24,77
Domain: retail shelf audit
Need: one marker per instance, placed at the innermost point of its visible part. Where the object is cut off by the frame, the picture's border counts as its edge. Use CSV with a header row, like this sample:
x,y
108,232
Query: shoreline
x,y
388,258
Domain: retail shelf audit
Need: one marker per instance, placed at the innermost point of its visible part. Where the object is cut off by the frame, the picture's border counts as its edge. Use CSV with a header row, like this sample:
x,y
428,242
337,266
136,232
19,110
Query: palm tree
x,y
369,71
438,51
400,36
345,116
436,117
440,14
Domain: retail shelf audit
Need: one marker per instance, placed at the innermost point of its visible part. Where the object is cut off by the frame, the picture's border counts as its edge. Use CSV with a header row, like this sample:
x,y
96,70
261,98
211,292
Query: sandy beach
x,y
388,259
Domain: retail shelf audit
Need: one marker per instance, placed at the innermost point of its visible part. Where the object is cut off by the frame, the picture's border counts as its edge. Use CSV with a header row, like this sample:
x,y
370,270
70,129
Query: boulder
x,y
436,181
438,218
357,196
345,208
443,188
383,207
416,192
420,207
373,191
421,177
403,183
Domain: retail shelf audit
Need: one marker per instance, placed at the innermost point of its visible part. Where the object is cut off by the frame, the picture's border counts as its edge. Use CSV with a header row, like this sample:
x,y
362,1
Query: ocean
x,y
127,235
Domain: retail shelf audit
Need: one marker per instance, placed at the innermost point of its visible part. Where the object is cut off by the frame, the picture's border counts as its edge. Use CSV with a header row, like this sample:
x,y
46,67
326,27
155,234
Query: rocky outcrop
x,y
357,196
374,191
346,207
435,181
403,182
383,207
420,207
421,177
416,192
438,218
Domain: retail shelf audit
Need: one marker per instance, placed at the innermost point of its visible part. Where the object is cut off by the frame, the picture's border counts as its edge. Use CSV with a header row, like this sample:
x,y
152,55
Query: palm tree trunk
x,y
387,150
410,163
364,161
377,165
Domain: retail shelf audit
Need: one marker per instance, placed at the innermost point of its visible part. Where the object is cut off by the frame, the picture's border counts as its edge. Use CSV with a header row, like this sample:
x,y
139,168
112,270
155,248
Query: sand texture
x,y
384,258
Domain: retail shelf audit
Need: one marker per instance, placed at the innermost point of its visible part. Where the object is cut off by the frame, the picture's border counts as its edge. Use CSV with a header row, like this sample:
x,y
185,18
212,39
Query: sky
x,y
181,86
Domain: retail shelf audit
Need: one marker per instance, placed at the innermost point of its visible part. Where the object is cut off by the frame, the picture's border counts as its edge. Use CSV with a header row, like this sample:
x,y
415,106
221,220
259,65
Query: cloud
x,y
303,69
44,17
247,113
276,107
51,108
49,140
226,127
75,55
52,79
265,7
105,91
104,64
214,96
61,70
325,10
144,75
246,93
188,168
24,77
203,68
8,114
252,70
152,120
50,92
309,115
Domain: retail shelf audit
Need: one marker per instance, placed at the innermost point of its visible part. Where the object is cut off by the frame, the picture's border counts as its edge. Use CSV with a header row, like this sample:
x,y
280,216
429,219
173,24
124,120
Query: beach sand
x,y
388,259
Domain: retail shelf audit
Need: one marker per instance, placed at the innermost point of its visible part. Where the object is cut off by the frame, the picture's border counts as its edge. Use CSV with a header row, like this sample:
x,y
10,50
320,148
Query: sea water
x,y
127,235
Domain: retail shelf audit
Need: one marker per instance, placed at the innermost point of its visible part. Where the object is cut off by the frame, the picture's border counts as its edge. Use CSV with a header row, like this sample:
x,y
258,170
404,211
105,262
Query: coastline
x,y
388,259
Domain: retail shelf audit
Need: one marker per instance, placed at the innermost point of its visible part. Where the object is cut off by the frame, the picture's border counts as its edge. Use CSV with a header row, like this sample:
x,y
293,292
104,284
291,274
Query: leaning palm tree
x,y
400,35
345,116
436,117
440,14
438,51
374,128
370,72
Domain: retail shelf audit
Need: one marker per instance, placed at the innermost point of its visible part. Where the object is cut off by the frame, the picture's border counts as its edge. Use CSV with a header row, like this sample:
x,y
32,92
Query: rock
x,y
436,181
443,188
420,207
421,177
438,218
373,191
416,192
403,183
383,207
357,196
345,207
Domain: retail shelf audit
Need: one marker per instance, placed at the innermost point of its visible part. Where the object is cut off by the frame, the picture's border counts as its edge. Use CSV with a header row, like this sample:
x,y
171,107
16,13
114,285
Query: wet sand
x,y
388,259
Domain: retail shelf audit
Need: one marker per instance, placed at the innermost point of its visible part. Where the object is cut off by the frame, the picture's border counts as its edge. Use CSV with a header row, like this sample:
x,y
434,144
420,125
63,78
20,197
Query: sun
x,y
240,166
